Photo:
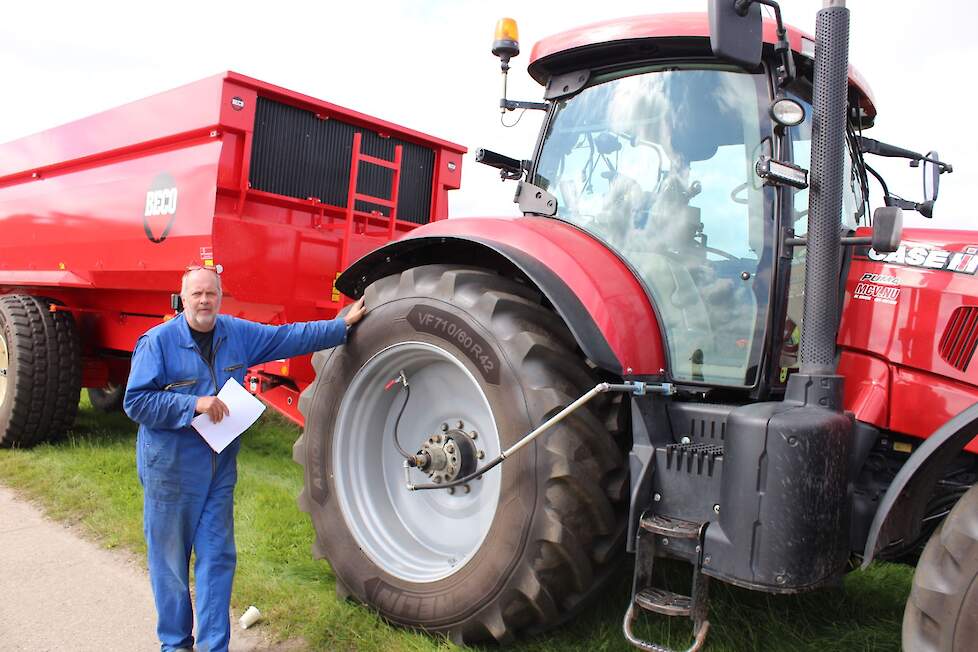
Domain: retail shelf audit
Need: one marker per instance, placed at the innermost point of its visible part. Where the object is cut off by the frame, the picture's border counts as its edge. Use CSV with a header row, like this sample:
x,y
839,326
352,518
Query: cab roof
x,y
654,36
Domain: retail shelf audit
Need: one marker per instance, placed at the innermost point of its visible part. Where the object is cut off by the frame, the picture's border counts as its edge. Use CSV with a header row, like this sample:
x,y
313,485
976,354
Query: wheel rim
x,y
418,536
4,367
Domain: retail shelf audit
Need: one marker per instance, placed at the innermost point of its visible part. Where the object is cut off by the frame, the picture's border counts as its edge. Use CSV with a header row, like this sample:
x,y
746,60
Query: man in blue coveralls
x,y
177,368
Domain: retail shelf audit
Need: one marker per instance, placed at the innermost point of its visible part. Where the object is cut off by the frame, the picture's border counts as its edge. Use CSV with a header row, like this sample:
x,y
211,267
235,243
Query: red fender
x,y
595,292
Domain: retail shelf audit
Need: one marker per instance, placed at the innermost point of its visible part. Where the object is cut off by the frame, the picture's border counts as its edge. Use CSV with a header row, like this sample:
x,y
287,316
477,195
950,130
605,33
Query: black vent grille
x,y
296,154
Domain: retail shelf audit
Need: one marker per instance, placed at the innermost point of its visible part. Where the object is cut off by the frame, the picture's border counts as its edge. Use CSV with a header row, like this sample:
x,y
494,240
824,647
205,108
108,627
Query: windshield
x,y
659,164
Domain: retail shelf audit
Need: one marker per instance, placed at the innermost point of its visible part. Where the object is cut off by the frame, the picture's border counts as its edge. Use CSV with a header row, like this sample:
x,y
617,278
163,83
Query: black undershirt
x,y
204,342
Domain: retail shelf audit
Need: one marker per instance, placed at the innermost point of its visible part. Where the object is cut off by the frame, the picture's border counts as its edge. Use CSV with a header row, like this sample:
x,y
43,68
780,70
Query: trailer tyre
x,y
942,611
63,378
24,416
516,552
108,398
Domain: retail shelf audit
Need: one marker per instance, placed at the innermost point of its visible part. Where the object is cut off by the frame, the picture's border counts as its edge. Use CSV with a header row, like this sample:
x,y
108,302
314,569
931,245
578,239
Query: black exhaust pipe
x,y
829,104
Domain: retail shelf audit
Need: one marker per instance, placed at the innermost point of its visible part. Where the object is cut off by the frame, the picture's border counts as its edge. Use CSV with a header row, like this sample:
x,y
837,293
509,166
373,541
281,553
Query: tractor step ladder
x,y
657,531
352,197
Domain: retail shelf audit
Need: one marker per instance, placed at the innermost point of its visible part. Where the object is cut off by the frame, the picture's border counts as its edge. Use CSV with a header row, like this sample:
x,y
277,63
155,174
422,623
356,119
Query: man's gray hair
x,y
190,270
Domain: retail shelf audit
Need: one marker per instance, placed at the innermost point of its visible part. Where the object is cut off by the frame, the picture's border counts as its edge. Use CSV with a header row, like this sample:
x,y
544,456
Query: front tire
x,y
529,543
942,611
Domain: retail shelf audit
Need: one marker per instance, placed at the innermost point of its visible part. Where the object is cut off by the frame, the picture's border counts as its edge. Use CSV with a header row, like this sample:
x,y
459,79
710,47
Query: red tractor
x,y
695,343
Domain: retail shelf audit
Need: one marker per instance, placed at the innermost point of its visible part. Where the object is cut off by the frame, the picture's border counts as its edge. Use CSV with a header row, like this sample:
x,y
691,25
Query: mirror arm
x,y
512,105
942,167
782,47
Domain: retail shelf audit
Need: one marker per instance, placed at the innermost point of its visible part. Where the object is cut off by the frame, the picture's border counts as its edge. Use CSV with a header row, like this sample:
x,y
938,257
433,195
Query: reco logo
x,y
161,202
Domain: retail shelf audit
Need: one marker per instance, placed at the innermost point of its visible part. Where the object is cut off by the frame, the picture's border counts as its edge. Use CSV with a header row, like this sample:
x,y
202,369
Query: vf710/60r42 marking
x,y
448,327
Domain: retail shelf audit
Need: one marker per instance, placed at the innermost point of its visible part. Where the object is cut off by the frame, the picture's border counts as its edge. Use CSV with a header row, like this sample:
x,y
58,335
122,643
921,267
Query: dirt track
x,y
60,592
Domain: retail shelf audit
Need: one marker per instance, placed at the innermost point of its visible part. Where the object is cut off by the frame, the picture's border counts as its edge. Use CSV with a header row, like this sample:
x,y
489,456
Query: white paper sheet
x,y
243,410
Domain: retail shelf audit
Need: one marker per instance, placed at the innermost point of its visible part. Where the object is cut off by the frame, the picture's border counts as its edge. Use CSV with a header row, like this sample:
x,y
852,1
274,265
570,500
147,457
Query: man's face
x,y
201,299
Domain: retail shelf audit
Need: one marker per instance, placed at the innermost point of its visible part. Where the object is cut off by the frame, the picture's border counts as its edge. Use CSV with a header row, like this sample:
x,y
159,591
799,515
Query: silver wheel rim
x,y
4,366
417,536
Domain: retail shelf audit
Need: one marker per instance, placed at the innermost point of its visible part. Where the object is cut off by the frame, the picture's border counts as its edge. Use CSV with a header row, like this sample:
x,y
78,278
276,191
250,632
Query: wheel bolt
x,y
460,425
467,488
444,427
451,490
474,435
481,454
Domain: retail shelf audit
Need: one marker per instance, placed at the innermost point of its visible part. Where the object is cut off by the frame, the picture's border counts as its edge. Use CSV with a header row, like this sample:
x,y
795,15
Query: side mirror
x,y
735,31
932,176
887,228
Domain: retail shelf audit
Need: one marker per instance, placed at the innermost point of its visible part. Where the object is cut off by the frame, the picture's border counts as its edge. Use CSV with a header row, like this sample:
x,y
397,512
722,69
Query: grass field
x,y
90,479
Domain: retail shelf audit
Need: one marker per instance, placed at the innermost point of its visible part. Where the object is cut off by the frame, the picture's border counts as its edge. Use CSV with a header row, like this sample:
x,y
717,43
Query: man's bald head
x,y
201,295
199,271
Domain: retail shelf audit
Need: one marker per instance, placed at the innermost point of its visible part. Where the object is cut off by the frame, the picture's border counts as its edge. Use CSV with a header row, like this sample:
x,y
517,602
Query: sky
x,y
427,65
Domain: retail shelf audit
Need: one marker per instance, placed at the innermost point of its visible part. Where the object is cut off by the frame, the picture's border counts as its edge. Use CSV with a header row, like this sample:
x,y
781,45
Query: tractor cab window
x,y
659,164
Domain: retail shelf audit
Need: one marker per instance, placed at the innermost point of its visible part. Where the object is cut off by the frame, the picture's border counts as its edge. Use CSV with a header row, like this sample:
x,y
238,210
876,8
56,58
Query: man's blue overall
x,y
188,488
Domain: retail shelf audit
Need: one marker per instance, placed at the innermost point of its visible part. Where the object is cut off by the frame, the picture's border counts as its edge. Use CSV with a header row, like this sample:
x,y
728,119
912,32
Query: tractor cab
x,y
657,161
661,155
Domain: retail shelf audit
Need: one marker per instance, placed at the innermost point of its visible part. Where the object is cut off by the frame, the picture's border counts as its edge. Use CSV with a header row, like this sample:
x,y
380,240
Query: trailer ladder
x,y
387,233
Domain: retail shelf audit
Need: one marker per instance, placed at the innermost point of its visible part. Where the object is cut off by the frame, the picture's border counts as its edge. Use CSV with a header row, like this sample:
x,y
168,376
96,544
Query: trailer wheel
x,y
63,368
108,398
24,416
942,611
516,552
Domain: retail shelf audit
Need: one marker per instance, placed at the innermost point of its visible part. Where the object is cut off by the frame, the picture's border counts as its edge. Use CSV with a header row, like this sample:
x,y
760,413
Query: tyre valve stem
x,y
400,378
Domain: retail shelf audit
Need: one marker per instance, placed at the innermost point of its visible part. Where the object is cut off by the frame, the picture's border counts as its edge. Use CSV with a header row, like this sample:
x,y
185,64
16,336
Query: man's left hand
x,y
356,313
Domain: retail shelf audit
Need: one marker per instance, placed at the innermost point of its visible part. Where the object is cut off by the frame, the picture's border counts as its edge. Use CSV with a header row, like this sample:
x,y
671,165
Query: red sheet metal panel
x,y
899,309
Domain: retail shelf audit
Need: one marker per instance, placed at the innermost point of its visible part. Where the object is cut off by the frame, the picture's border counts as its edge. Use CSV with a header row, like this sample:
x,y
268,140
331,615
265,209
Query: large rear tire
x,y
942,611
524,547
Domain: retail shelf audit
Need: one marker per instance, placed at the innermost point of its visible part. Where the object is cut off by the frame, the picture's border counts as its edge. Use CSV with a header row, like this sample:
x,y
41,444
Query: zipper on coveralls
x,y
210,366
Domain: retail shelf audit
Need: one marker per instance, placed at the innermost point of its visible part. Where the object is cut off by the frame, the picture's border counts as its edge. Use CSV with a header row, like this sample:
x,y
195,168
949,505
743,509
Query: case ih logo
x,y
962,262
161,208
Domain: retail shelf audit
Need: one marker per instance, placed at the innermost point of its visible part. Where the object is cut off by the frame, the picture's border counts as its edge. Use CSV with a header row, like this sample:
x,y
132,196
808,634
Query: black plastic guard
x,y
902,508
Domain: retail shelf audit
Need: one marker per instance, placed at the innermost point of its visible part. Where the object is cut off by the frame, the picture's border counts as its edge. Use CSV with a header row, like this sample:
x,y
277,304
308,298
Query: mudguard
x,y
900,511
596,294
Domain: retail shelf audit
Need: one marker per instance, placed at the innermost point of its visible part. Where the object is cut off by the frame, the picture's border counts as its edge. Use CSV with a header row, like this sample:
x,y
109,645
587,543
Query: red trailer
x,y
277,190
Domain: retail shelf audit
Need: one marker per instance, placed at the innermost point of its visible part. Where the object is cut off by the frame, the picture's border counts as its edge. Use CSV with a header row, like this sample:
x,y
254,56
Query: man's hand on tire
x,y
356,313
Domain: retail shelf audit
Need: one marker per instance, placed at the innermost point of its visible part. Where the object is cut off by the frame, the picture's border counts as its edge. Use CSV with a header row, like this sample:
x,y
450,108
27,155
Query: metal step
x,y
664,602
670,527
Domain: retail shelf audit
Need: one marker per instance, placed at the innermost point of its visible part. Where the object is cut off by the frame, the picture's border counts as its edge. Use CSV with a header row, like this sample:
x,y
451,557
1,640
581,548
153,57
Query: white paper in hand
x,y
243,410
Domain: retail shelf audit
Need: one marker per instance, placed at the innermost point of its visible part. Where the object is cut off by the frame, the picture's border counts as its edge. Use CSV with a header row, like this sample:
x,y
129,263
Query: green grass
x,y
90,479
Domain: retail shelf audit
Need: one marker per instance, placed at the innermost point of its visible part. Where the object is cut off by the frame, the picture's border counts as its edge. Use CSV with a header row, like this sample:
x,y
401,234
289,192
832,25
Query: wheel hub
x,y
416,536
449,455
